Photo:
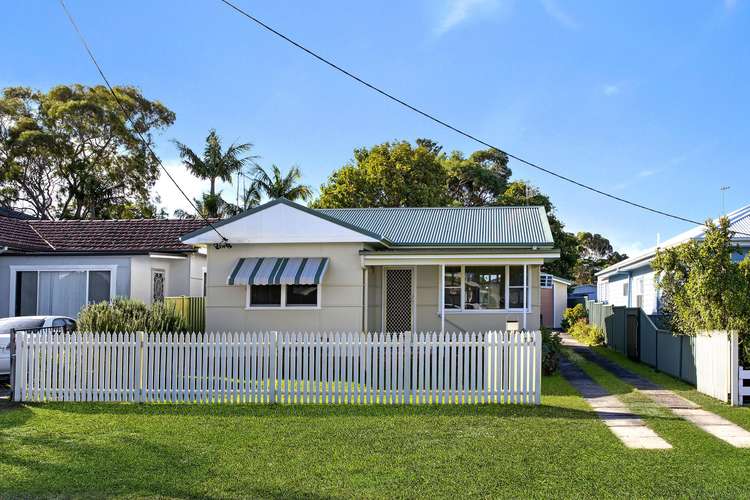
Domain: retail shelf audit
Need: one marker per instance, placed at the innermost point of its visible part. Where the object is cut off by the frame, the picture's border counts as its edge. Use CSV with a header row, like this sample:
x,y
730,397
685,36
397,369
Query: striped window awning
x,y
278,271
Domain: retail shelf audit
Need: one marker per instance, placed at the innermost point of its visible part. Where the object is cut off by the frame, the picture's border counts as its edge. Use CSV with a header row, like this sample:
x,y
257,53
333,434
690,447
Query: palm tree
x,y
211,206
277,185
215,164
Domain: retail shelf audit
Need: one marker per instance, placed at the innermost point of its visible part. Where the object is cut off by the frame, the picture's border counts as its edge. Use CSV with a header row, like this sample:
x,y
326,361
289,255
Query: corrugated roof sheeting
x,y
451,226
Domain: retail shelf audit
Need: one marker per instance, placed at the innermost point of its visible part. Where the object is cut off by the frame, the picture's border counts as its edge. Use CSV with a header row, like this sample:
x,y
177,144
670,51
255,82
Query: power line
x,y
446,124
127,117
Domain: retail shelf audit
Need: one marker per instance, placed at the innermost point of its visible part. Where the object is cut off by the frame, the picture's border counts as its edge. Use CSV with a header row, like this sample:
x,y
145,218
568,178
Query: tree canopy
x,y
392,174
705,286
595,252
72,152
399,174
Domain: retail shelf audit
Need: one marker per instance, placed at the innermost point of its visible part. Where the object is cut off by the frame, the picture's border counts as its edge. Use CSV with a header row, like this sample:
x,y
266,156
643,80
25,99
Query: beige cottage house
x,y
288,267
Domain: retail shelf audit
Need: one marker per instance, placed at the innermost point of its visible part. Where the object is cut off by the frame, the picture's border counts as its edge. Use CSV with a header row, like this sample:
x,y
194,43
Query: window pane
x,y
453,298
302,295
62,293
265,295
26,286
99,286
516,276
452,276
515,297
485,287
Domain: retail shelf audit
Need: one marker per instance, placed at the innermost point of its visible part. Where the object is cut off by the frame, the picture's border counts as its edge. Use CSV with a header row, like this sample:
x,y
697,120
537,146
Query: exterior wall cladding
x,y
341,295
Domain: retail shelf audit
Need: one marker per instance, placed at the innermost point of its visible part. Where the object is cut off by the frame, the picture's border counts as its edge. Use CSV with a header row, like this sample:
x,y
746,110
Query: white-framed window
x,y
283,297
625,289
59,290
490,288
545,281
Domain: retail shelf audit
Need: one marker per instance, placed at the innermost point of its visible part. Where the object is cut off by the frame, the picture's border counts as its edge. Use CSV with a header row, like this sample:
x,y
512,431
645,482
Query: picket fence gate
x,y
280,367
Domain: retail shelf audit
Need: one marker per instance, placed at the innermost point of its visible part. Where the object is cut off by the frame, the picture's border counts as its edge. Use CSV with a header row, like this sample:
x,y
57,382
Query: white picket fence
x,y
276,367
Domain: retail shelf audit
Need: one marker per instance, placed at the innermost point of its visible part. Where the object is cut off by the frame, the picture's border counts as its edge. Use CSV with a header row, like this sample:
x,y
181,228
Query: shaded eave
x,y
11,252
379,237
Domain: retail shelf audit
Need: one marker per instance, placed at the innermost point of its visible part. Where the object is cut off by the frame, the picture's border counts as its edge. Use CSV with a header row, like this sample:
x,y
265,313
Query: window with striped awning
x,y
278,271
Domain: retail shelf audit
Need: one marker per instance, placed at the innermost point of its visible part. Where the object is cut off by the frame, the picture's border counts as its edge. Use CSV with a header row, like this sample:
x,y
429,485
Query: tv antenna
x,y
723,190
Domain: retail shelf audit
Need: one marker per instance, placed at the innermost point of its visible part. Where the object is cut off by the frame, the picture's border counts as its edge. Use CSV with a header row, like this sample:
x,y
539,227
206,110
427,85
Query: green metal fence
x,y
657,346
611,320
192,309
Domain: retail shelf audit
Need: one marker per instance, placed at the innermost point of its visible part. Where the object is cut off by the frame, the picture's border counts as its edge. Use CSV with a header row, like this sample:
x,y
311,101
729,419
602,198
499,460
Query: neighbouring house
x,y
580,293
292,268
631,282
57,267
554,299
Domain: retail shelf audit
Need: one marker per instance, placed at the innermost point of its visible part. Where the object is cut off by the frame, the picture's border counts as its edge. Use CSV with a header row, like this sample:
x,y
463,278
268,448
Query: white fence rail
x,y
275,367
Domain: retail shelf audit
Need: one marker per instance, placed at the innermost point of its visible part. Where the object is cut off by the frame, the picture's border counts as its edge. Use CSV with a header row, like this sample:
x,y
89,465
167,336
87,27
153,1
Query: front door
x,y
399,299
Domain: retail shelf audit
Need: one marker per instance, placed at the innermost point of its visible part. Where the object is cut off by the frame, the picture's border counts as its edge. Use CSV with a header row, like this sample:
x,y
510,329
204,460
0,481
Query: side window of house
x,y
516,287
624,289
158,277
99,282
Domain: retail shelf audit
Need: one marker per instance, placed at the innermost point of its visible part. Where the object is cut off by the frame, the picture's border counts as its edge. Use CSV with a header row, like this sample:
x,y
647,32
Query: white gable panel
x,y
282,224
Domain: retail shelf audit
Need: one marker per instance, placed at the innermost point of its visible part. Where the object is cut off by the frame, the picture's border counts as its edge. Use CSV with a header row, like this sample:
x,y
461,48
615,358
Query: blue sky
x,y
645,99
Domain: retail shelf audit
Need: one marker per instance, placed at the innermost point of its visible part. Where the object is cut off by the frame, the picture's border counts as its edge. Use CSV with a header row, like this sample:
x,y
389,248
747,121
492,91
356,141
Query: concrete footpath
x,y
629,428
708,421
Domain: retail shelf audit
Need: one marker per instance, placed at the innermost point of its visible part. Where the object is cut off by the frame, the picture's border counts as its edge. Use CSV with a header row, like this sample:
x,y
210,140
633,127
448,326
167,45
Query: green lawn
x,y
556,450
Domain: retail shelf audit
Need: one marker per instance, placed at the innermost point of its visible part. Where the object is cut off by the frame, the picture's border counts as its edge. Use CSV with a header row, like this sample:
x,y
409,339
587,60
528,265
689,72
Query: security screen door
x,y
399,299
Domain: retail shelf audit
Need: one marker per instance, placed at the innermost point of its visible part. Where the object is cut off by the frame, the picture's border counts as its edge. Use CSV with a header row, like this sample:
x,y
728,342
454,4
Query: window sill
x,y
279,308
485,311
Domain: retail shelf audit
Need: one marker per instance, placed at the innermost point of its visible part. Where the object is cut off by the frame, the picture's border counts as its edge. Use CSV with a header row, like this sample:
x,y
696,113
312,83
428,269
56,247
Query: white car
x,y
27,323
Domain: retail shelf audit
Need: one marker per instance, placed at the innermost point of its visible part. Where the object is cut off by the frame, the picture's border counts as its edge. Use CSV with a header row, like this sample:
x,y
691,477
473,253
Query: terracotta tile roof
x,y
16,234
96,236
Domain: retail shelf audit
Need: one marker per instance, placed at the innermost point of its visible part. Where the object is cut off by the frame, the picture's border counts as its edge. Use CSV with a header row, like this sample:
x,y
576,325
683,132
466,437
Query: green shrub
x,y
128,315
551,347
573,315
587,334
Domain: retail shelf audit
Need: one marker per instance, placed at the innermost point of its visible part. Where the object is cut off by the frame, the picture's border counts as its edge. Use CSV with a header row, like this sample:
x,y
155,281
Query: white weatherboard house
x,y
292,268
631,282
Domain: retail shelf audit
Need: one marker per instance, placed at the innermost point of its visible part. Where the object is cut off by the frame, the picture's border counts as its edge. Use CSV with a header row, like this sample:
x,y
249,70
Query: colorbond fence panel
x,y
275,367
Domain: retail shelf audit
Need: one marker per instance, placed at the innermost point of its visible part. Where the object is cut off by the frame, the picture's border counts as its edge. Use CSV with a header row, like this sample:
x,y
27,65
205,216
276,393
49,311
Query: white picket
x,y
330,368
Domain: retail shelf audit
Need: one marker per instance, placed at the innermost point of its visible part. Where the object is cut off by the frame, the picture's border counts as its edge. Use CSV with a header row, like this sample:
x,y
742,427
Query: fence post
x,y
538,366
138,368
274,355
734,370
15,392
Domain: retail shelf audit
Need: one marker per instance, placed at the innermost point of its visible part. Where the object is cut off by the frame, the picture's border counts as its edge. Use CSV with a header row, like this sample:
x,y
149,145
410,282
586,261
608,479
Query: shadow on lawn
x,y
316,410
132,466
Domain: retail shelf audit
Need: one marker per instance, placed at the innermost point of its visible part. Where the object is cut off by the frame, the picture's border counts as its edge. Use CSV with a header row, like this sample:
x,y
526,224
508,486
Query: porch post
x,y
526,290
441,295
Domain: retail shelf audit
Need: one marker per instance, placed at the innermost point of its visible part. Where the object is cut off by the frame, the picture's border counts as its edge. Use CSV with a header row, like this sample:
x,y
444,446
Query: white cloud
x,y
611,89
459,11
556,12
169,196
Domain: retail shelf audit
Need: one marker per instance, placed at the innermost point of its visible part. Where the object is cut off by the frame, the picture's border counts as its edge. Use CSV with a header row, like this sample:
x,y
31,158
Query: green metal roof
x,y
451,226
430,227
